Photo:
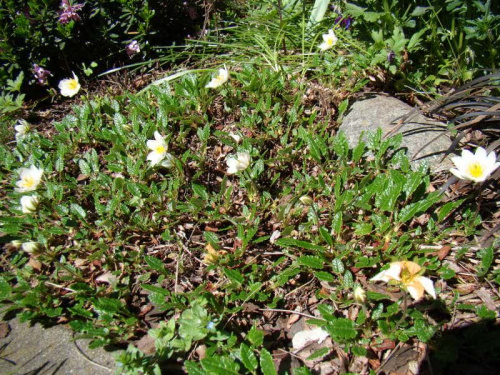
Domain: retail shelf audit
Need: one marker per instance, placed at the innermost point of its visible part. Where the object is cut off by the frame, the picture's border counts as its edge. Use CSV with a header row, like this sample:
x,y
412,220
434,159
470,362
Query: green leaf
x,y
200,191
311,261
484,313
233,275
194,368
362,229
155,264
326,236
338,266
221,366
324,276
78,210
248,357
359,351
342,328
267,363
412,210
291,242
5,289
255,336
318,353
318,12
487,256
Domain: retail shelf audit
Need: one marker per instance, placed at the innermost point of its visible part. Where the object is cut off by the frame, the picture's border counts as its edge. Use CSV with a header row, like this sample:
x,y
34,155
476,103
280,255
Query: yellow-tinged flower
x,y
238,163
329,40
219,80
29,203
31,247
406,273
69,86
159,154
29,179
475,167
359,294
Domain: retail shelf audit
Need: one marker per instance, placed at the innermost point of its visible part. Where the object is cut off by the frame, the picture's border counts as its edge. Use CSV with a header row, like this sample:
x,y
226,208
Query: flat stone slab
x,y
379,112
49,351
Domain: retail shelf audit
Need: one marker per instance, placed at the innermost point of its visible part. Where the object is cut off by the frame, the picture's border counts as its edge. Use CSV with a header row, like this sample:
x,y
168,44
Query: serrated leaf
x,y
194,368
5,289
302,371
221,365
200,191
155,264
248,357
338,266
311,261
412,210
233,275
78,210
318,353
267,363
362,229
324,276
326,235
487,256
342,328
255,336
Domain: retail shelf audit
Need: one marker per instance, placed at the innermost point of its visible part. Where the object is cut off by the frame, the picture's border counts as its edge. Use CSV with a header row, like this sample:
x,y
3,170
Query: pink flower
x,y
132,48
69,12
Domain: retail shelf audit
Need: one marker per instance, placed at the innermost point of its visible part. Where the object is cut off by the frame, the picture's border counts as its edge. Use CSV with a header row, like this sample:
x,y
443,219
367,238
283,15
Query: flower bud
x,y
29,203
359,294
31,247
306,200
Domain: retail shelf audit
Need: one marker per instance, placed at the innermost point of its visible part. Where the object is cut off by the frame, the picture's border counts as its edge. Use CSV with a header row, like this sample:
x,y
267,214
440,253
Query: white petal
x,y
457,173
155,158
158,137
480,154
232,165
303,338
392,273
414,293
428,285
168,162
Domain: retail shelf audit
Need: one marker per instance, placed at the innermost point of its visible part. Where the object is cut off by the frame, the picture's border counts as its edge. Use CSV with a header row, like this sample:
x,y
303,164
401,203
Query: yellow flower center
x,y
72,84
476,170
329,41
160,149
28,182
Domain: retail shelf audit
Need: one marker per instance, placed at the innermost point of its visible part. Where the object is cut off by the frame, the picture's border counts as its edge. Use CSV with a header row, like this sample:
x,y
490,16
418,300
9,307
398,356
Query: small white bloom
x,y
69,86
22,128
475,167
359,294
29,203
219,80
303,338
236,137
16,244
29,179
31,247
159,154
238,163
329,40
406,273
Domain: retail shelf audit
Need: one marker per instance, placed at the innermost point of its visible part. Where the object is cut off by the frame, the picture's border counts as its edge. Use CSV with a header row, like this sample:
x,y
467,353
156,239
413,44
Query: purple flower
x,y
345,22
68,12
390,56
132,48
41,74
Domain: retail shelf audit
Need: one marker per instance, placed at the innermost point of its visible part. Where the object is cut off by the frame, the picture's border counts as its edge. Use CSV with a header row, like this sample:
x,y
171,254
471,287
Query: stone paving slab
x,y
34,350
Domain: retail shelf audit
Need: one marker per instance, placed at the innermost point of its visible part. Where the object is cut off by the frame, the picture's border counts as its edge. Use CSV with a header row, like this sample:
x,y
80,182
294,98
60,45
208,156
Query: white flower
x,y
22,128
238,163
29,203
303,338
69,86
236,137
475,167
31,247
359,294
329,40
406,273
219,80
159,154
29,179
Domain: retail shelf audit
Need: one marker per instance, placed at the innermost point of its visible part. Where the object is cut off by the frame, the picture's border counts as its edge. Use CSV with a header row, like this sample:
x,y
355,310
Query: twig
x,y
293,312
86,357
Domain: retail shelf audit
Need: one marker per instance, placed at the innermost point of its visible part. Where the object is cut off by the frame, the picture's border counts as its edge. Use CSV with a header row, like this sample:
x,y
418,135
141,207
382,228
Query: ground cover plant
x,y
217,222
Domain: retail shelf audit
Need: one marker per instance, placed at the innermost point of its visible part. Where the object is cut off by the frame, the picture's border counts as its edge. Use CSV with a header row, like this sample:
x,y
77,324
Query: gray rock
x,y
370,114
34,350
